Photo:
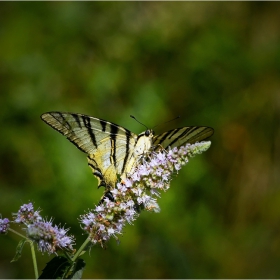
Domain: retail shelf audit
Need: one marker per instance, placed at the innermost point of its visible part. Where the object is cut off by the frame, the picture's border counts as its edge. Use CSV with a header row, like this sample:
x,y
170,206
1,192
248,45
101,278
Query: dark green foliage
x,y
60,268
215,64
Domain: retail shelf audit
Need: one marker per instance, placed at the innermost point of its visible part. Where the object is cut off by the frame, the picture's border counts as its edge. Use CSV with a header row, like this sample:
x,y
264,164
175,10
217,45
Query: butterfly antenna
x,y
167,121
138,121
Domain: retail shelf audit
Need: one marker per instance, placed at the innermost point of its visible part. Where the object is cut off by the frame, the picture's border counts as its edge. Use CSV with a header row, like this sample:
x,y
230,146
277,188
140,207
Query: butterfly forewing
x,y
84,131
180,136
109,146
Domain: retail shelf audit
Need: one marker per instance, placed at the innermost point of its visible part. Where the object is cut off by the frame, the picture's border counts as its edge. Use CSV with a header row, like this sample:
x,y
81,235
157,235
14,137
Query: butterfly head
x,y
149,133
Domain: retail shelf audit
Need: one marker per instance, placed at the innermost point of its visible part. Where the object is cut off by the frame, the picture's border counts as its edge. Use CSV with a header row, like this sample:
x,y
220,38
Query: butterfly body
x,y
144,143
113,150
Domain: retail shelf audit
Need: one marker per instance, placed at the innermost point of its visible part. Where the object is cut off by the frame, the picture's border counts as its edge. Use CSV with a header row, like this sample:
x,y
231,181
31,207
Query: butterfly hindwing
x,y
180,136
111,158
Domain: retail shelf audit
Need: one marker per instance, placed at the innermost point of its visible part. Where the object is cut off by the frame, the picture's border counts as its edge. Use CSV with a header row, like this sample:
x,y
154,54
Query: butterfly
x,y
112,150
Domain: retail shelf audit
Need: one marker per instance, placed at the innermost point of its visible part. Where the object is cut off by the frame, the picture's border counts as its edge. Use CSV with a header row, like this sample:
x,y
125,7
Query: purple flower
x,y
4,225
26,214
49,238
139,190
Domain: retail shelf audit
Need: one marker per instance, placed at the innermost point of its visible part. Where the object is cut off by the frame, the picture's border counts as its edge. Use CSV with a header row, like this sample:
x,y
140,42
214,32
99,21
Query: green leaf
x,y
61,268
19,250
55,268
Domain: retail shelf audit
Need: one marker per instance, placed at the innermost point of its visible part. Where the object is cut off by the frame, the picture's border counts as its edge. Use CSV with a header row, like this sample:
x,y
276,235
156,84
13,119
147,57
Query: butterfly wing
x,y
180,136
109,146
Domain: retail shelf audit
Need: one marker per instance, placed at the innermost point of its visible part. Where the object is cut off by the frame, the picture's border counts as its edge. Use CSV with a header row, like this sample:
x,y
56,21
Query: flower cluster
x,y
26,215
48,237
4,225
138,191
107,220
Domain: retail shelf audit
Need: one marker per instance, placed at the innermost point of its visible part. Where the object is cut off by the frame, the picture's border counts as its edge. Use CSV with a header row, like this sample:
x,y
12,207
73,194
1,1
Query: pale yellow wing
x,y
109,146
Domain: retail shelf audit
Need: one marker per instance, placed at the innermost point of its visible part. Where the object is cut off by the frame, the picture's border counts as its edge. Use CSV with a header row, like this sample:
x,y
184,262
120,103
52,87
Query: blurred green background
x,y
213,63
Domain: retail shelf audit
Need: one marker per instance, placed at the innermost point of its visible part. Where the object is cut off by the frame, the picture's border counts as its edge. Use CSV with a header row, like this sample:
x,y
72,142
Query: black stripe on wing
x,y
77,119
127,151
87,124
103,125
113,135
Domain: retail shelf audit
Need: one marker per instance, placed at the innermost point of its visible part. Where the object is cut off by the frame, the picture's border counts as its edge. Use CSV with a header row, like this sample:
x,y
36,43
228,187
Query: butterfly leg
x,y
108,195
158,147
139,207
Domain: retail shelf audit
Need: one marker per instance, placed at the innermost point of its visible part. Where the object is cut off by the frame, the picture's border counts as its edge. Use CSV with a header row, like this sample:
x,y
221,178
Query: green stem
x,y
81,249
18,233
32,251
34,259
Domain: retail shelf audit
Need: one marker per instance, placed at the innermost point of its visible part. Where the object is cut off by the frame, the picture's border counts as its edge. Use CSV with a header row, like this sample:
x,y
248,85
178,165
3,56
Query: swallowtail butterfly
x,y
113,150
